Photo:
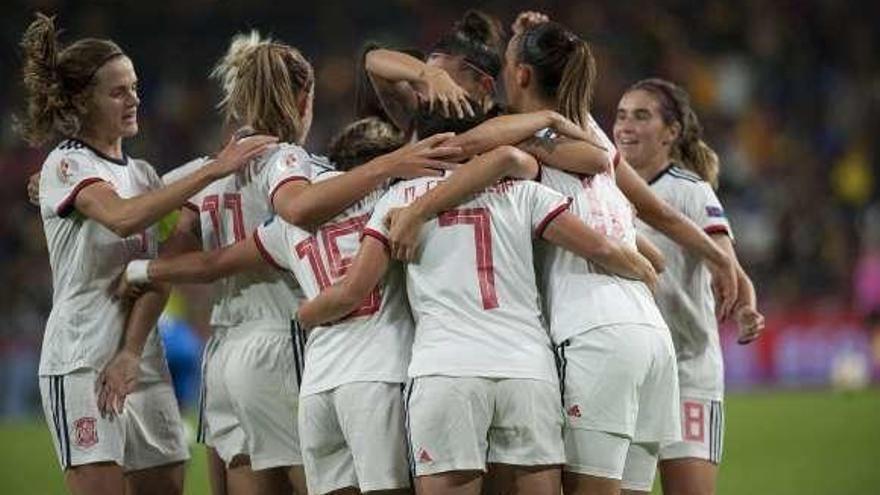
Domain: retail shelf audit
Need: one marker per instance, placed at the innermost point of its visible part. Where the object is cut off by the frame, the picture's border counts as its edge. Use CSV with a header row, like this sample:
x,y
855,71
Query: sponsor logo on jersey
x,y
424,457
574,411
290,160
86,434
715,211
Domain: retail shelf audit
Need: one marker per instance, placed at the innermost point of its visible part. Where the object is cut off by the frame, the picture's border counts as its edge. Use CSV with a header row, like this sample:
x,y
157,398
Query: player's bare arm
x,y
470,178
126,216
564,145
343,297
658,214
569,232
401,80
749,321
195,267
120,376
309,205
649,250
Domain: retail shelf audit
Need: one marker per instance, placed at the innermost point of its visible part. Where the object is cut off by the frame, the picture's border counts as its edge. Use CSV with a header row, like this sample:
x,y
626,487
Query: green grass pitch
x,y
799,443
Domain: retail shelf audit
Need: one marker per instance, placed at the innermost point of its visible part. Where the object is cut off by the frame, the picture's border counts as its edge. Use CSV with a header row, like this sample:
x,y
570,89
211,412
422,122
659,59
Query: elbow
x,y
124,225
295,214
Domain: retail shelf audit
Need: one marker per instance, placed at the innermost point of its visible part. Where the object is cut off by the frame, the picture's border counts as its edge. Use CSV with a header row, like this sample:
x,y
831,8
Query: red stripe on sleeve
x,y
65,207
539,232
375,234
717,229
285,181
264,252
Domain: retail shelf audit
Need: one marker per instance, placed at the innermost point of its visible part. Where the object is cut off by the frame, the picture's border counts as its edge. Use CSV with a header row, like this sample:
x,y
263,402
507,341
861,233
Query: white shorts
x,y
619,379
353,435
702,428
463,423
149,433
607,455
249,397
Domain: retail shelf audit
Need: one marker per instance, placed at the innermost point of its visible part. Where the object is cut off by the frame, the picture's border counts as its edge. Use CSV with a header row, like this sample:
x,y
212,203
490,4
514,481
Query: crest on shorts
x,y
424,457
86,432
574,411
66,169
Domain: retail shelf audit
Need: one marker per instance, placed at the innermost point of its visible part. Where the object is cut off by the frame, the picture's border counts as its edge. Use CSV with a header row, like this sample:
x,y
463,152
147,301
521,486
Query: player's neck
x,y
532,103
652,167
110,146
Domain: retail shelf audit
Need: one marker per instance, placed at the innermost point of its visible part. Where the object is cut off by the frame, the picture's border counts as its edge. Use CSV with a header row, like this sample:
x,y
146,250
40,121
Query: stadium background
x,y
788,92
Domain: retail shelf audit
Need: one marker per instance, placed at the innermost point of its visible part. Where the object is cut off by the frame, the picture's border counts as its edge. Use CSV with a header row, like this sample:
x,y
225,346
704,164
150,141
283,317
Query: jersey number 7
x,y
479,219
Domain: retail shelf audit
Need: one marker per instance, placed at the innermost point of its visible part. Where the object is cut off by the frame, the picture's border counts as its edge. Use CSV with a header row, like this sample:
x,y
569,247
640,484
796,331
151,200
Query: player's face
x,y
639,131
111,110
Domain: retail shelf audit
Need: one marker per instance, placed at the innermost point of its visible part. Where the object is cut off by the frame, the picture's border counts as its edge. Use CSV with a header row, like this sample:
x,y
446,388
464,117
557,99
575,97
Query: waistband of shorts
x,y
575,332
272,327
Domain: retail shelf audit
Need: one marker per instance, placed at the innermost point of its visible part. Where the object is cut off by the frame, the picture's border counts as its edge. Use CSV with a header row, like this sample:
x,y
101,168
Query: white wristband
x,y
136,272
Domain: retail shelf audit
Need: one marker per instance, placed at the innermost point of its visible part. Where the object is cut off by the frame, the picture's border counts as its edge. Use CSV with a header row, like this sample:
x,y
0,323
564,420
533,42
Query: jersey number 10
x,y
337,262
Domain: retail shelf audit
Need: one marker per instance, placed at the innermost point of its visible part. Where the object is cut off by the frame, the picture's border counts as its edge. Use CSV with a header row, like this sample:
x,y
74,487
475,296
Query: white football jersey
x,y
230,209
371,344
685,292
580,295
472,290
86,323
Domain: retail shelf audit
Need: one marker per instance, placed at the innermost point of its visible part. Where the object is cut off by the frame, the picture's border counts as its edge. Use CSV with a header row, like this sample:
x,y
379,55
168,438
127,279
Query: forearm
x,y
331,305
318,202
394,66
647,249
194,267
506,129
571,234
142,318
473,177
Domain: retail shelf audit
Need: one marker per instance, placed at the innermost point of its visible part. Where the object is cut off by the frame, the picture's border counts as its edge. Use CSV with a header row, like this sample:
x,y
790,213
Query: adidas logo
x,y
424,457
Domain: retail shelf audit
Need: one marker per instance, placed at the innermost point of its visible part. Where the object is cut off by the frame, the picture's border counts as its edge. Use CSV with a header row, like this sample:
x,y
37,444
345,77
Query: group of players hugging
x,y
461,298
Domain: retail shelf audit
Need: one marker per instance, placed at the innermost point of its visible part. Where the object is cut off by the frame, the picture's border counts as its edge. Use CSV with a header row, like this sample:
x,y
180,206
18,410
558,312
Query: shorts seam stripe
x,y
56,416
64,422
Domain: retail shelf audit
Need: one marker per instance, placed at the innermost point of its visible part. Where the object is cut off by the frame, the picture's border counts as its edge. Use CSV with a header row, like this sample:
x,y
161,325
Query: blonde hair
x,y
262,83
58,81
689,148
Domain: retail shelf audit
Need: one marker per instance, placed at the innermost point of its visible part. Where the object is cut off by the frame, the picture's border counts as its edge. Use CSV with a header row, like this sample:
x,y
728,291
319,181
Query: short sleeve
x,y
544,205
272,243
61,180
289,163
376,225
705,210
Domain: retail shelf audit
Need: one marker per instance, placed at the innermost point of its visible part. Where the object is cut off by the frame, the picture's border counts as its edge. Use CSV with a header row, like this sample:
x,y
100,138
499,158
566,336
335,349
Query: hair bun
x,y
482,27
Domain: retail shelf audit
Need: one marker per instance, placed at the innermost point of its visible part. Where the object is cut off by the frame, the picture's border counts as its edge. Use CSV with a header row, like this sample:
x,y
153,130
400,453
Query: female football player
x,y
658,133
98,206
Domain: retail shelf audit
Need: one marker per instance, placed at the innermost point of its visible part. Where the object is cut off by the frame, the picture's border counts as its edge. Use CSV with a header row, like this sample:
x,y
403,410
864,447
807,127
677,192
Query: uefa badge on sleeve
x,y
86,432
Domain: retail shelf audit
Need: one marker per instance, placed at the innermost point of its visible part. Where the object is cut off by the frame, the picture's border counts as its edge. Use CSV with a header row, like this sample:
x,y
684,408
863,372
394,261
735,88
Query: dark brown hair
x,y
689,148
58,80
363,140
479,38
564,67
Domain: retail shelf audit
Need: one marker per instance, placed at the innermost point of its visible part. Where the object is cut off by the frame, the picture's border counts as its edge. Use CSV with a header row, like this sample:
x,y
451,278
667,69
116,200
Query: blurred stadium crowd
x,y
788,91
